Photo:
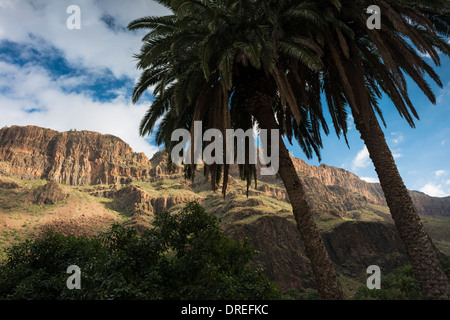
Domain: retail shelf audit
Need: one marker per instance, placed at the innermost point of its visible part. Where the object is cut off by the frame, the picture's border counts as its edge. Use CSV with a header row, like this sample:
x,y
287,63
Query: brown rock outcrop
x,y
280,248
352,246
49,193
72,157
431,206
136,201
277,193
332,176
8,185
89,158
355,245
160,167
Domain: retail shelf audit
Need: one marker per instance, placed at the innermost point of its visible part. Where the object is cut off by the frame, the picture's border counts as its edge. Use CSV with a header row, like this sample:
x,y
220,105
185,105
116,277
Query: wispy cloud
x,y
439,173
30,88
424,55
370,179
434,190
397,137
444,94
64,79
102,42
350,122
362,159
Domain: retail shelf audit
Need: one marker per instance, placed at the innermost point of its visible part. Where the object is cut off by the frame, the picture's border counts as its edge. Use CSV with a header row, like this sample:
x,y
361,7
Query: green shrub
x,y
184,256
398,285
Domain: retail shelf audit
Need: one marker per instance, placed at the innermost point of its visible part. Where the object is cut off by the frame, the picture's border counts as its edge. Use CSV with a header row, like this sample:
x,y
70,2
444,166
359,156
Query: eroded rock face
x,y
352,246
139,204
431,206
355,245
50,193
73,157
280,249
332,176
160,167
89,158
110,166
8,185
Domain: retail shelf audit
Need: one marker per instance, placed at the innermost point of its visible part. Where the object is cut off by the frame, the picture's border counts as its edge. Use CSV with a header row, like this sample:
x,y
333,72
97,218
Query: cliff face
x,y
352,246
348,190
89,158
73,158
431,206
332,176
116,182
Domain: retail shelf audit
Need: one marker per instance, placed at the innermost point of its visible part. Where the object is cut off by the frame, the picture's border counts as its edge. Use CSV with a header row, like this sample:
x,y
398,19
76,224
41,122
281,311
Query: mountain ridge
x,y
104,181
66,163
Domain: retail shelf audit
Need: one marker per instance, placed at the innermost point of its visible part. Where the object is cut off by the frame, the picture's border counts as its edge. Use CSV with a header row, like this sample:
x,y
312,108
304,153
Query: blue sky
x,y
64,79
422,153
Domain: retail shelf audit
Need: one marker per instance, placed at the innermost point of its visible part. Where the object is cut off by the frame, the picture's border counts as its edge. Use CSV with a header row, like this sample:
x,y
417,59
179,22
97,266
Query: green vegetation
x,y
16,201
184,256
309,294
438,230
398,285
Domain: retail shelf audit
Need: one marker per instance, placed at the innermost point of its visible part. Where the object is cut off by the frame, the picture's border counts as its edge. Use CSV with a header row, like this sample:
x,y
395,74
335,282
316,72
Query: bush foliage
x,y
183,256
398,285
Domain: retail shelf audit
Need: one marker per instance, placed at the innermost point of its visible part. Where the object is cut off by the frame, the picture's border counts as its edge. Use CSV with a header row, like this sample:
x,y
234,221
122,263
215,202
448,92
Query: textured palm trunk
x,y
259,104
426,266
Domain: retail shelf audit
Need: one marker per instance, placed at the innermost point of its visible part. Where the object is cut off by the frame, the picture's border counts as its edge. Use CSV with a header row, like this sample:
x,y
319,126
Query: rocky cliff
x,y
79,181
332,176
72,157
90,158
352,246
431,206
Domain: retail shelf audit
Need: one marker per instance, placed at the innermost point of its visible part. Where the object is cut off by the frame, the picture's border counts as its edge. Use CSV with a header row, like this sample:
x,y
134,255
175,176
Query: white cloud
x,y
370,179
43,22
350,122
96,47
31,87
362,159
424,55
397,137
443,95
396,155
439,173
434,190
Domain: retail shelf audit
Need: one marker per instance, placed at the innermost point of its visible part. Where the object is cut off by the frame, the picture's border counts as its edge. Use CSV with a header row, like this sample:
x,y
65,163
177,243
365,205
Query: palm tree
x,y
359,64
226,63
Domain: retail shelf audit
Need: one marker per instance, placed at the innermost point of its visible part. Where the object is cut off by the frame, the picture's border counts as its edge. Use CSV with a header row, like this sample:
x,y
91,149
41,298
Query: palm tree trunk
x,y
259,104
426,266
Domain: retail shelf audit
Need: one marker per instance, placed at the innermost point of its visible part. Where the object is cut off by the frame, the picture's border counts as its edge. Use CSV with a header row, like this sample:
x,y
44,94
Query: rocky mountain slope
x,y
73,157
81,182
